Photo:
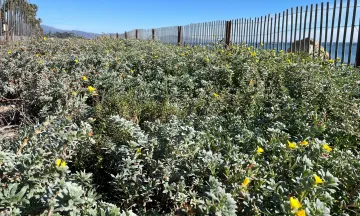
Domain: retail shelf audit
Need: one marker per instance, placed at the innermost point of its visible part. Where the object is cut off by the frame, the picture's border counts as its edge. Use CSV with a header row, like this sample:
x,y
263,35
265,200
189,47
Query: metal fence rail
x,y
322,30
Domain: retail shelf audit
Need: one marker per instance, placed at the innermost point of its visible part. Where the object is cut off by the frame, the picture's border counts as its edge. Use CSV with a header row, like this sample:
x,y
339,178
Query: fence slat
x,y
338,30
332,29
321,27
257,32
352,32
305,21
357,63
278,33
311,10
286,31
282,30
291,30
345,31
271,33
326,26
260,24
274,32
300,28
315,23
267,33
295,32
254,32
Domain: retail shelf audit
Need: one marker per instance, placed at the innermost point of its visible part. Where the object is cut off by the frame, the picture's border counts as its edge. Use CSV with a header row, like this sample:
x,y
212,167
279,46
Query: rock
x,y
309,49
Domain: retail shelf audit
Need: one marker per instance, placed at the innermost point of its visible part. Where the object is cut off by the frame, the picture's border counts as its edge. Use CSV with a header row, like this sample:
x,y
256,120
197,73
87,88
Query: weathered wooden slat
x,y
326,26
257,32
282,30
278,34
352,32
273,47
305,21
291,30
260,24
332,29
271,22
345,31
300,27
264,30
267,33
311,10
321,27
338,30
315,23
295,32
286,31
357,61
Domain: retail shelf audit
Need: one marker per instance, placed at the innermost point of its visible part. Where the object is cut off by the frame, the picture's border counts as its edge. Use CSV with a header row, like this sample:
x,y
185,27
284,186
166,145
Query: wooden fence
x,y
327,30
17,18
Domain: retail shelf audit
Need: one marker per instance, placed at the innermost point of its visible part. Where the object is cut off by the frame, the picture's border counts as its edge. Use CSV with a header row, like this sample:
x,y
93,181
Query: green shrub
x,y
157,129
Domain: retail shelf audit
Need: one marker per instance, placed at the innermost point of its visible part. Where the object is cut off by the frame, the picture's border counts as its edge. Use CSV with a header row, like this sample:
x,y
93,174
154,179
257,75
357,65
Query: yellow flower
x,y
76,61
45,38
91,89
338,59
252,82
318,180
222,51
294,203
58,162
343,65
291,145
257,60
304,143
107,51
262,44
74,93
84,78
301,213
138,151
216,95
259,150
289,61
156,57
246,182
227,66
253,54
331,61
182,54
9,52
63,164
249,48
327,148
207,59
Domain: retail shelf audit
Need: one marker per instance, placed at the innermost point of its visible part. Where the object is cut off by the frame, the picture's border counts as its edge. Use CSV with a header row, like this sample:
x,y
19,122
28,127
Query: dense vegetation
x,y
144,128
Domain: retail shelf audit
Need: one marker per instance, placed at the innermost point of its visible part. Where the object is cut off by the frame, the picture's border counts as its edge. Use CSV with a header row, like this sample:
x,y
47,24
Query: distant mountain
x,y
48,29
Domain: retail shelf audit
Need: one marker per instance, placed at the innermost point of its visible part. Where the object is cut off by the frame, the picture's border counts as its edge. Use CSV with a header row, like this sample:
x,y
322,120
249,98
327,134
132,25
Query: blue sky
x,y
111,16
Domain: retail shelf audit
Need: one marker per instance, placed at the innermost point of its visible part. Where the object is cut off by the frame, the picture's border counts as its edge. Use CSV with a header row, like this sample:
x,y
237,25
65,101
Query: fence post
x,y
153,34
357,64
227,33
179,35
136,33
126,35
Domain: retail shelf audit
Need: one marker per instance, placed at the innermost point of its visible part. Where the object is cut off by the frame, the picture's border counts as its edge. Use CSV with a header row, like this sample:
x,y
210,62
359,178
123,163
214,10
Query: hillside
x,y
88,35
